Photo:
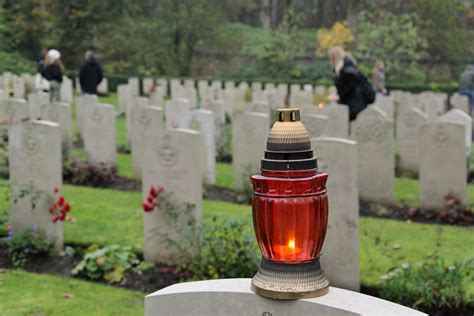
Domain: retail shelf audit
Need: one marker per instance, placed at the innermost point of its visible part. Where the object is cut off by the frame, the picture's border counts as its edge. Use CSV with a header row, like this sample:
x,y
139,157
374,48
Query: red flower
x,y
150,199
153,192
61,200
56,190
67,207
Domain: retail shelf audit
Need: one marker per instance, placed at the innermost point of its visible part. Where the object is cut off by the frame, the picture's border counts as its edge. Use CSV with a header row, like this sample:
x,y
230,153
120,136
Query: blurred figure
x,y
53,72
378,77
466,84
352,87
90,73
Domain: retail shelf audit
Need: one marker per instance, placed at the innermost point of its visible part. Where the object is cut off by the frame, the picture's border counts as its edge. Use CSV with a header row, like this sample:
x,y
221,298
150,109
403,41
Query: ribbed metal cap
x,y
288,133
288,144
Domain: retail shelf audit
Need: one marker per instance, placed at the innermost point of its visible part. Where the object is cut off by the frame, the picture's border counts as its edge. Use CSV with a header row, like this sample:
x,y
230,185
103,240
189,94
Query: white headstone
x,y
338,119
172,162
103,87
315,124
59,112
13,111
134,84
459,116
178,113
146,125
340,254
35,101
373,132
124,95
84,104
35,171
19,87
443,168
65,91
460,102
203,122
385,103
259,107
147,84
249,138
408,125
99,134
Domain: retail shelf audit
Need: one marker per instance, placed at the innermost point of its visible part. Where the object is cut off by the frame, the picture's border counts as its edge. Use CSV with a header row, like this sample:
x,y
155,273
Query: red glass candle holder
x,y
290,214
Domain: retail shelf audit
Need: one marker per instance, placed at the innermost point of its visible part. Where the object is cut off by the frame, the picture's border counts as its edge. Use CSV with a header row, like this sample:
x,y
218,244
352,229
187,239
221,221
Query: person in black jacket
x,y
52,71
90,74
347,81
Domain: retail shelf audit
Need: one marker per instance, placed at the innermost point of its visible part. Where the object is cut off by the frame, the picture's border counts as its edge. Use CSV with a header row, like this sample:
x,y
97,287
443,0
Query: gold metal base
x,y
289,295
290,281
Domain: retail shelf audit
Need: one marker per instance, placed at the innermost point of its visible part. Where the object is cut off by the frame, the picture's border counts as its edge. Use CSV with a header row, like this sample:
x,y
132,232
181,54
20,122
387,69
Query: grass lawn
x,y
109,216
23,293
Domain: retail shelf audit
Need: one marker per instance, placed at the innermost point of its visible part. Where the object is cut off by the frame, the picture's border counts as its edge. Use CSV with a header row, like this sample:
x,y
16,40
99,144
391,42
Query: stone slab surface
x,y
234,297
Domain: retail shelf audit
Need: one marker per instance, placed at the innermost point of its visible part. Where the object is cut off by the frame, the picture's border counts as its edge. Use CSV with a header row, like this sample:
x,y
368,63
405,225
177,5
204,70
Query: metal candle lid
x,y
288,144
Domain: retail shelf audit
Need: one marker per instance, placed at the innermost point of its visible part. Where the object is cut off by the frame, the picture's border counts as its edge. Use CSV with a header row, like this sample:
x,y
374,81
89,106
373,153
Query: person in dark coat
x,y
90,74
347,81
52,71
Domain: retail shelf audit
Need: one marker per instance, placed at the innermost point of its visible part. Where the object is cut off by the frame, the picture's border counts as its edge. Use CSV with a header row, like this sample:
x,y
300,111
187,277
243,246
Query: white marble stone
x,y
408,125
59,112
172,162
124,95
99,134
459,116
340,253
373,132
134,84
66,90
147,84
103,87
386,104
233,297
249,138
13,111
84,103
35,170
338,119
146,125
36,100
203,122
316,124
19,87
178,113
461,102
443,168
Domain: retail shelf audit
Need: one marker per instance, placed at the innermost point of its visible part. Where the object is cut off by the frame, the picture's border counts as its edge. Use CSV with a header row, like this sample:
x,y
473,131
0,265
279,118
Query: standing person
x,y
378,77
466,84
52,71
90,73
352,87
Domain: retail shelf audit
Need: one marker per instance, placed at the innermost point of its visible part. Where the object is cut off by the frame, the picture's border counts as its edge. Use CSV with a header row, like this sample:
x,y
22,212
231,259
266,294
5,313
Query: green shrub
x,y
427,285
26,244
109,263
223,249
14,62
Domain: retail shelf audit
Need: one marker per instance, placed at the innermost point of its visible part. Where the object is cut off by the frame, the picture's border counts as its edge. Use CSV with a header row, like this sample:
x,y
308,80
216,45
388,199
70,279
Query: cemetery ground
x,y
110,216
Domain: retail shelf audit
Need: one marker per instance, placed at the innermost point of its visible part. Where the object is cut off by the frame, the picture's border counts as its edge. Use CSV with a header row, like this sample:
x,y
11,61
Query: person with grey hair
x,y
90,73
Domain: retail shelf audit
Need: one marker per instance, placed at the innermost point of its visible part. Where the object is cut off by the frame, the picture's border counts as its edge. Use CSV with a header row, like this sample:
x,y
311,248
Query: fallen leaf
x,y
68,295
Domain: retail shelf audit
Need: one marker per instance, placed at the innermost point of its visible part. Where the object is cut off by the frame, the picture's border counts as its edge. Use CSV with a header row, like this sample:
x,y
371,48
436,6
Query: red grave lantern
x,y
290,213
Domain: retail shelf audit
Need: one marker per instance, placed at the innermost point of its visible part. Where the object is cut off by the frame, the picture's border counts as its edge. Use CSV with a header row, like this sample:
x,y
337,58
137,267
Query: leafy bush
x,y
109,263
26,244
80,172
427,285
14,62
339,35
223,249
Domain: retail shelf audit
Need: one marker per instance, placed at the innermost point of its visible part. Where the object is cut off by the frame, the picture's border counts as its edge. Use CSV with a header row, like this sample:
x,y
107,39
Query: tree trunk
x,y
265,15
352,10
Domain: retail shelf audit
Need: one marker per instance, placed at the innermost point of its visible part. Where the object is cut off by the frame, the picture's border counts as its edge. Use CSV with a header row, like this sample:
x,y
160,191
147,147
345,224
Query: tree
x,y
392,38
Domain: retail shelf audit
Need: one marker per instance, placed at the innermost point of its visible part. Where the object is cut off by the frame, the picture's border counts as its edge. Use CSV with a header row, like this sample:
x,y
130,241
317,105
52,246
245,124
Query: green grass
x,y
23,293
225,176
109,216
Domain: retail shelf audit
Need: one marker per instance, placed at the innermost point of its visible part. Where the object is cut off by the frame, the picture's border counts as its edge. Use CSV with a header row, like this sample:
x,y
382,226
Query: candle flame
x,y
291,244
